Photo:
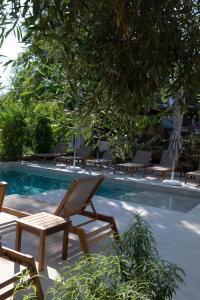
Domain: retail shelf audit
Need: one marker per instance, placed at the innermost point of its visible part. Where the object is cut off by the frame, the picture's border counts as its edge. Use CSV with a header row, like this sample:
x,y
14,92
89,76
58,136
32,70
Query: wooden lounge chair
x,y
141,160
7,287
104,161
98,162
58,150
82,153
193,174
3,186
75,201
68,160
6,254
164,167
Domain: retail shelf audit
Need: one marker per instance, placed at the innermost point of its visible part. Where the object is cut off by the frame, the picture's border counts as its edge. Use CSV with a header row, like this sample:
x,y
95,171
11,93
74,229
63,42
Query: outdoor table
x,y
42,224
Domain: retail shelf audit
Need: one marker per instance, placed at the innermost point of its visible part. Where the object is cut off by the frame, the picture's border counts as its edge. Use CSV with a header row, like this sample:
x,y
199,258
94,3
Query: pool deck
x,y
177,234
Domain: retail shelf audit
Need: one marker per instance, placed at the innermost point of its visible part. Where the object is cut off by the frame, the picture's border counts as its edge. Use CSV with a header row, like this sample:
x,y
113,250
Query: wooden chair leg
x,y
162,175
83,241
65,242
115,169
185,178
103,218
83,163
116,232
41,251
18,237
35,279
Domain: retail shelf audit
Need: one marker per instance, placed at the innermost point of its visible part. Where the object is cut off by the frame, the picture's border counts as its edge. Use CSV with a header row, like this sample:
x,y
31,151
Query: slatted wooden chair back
x,y
3,186
59,148
142,157
165,159
84,151
7,287
76,199
78,196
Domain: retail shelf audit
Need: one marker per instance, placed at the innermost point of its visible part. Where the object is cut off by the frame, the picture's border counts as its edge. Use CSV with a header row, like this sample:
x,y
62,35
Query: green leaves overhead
x,y
114,55
128,48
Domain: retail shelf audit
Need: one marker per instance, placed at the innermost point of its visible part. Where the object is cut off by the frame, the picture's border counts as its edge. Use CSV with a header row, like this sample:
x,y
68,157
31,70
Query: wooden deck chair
x,y
19,258
58,150
3,186
193,174
164,167
140,160
82,154
98,162
104,161
7,287
76,200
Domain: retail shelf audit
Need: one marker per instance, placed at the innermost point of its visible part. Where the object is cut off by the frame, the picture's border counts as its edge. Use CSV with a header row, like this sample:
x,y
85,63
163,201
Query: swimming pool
x,y
25,182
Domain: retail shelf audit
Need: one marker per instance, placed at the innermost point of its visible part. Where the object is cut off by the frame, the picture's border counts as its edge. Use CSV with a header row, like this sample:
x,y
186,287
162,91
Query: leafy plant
x,y
97,278
25,288
13,132
135,272
191,146
43,138
106,56
140,261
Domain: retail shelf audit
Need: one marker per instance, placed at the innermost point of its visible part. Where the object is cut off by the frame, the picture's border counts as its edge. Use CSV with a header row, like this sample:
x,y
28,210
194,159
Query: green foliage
x,y
43,137
135,272
13,133
191,144
36,77
97,278
140,261
60,120
108,55
105,61
25,289
129,46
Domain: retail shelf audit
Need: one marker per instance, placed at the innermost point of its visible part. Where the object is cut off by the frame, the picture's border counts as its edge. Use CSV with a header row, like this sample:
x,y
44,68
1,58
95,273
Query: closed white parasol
x,y
175,144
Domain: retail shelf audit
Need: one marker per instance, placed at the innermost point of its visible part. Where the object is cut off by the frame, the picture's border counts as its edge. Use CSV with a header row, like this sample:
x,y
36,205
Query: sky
x,y
10,48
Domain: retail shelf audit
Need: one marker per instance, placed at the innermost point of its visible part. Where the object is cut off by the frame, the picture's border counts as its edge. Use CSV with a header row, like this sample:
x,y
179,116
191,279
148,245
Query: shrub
x,y
135,272
96,278
13,132
140,261
43,137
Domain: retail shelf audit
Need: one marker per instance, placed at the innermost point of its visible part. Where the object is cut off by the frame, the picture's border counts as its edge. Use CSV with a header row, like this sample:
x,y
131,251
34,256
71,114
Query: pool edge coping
x,y
156,186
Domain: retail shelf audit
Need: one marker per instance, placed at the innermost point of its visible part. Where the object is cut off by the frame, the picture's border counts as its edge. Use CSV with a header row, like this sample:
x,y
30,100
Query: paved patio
x,y
177,235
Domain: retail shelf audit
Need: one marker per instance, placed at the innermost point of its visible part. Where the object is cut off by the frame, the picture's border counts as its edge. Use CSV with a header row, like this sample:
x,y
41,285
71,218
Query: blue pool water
x,y
30,184
25,183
